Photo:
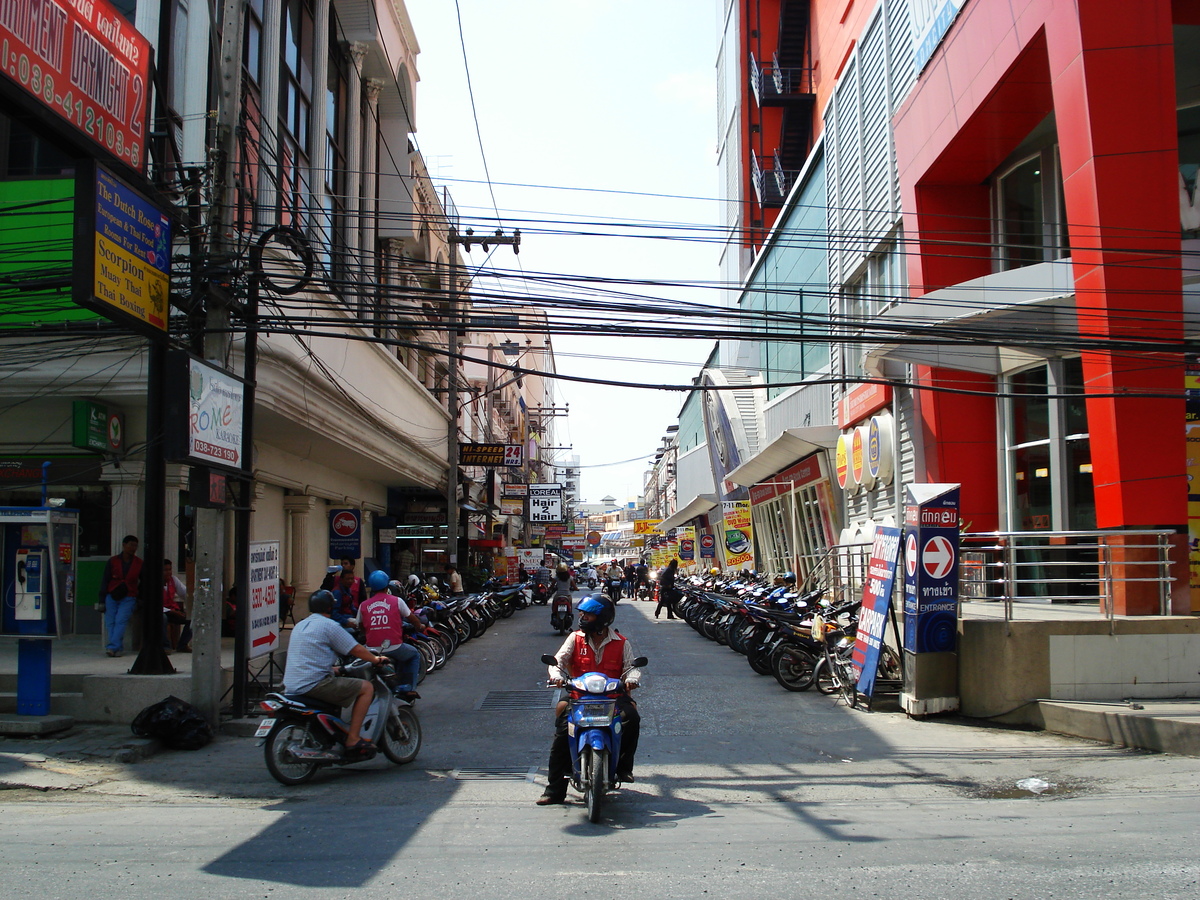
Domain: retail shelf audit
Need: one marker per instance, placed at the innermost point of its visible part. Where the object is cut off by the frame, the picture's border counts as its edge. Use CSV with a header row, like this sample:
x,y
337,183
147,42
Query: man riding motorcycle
x,y
316,644
381,619
595,647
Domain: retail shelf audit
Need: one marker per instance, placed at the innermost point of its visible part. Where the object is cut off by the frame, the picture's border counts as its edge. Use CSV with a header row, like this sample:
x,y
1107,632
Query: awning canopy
x,y
791,446
977,326
697,506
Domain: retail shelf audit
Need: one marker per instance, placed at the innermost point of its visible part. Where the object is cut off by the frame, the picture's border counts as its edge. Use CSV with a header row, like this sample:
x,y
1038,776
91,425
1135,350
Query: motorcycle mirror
x,y
549,660
638,663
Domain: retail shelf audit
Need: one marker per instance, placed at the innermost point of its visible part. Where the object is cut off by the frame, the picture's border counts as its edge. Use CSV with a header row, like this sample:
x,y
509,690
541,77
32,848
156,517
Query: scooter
x,y
301,735
541,593
615,589
593,733
562,616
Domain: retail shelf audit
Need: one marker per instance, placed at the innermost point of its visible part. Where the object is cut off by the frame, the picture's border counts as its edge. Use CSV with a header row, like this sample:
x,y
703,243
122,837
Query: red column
x,y
1112,77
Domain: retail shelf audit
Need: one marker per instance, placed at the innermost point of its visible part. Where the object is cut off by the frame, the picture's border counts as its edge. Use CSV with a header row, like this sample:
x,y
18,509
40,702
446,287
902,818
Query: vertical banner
x,y
739,533
708,546
877,598
264,597
345,534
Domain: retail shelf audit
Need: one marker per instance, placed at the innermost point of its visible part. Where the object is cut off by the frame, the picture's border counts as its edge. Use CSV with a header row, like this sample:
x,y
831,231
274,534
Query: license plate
x,y
264,727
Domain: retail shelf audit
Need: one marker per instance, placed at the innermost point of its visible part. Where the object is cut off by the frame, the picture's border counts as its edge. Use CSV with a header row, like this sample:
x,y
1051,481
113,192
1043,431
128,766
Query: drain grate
x,y
504,700
495,773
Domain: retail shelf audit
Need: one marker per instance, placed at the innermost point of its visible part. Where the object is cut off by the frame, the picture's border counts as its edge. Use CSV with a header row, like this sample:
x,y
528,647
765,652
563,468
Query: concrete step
x,y
1165,726
69,683
62,703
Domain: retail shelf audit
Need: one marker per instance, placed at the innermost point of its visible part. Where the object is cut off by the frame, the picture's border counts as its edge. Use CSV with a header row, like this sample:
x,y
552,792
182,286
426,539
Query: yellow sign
x,y
646,526
131,255
739,533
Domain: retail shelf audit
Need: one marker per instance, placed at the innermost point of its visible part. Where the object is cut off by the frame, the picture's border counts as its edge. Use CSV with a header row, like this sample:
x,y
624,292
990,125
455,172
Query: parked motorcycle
x,y
562,615
301,735
594,730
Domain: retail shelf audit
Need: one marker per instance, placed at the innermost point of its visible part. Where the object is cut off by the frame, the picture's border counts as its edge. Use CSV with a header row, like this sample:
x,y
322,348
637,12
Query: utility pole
x,y
465,241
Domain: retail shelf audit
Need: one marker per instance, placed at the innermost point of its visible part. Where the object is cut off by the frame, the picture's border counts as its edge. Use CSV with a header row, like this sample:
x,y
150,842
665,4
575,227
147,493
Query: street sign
x,y
931,576
345,533
264,597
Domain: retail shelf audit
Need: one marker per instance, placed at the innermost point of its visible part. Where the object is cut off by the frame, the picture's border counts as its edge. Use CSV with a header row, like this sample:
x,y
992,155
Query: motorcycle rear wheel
x,y
595,773
277,750
401,740
794,668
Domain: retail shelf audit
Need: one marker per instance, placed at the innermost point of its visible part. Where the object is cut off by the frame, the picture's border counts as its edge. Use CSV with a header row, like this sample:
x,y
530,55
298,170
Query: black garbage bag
x,y
175,722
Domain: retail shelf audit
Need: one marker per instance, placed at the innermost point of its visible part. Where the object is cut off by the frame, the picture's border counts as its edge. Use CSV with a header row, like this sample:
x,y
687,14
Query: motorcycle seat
x,y
312,702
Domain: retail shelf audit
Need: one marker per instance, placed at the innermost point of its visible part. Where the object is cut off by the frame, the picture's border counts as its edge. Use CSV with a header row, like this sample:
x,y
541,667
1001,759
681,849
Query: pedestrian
x,y
454,580
667,592
119,593
522,574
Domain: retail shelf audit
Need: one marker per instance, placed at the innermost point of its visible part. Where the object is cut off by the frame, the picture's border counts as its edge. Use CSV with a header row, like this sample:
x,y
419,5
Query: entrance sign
x,y
931,576
877,599
264,597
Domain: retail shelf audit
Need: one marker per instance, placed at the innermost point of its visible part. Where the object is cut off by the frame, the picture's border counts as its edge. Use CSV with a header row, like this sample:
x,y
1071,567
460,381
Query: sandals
x,y
362,747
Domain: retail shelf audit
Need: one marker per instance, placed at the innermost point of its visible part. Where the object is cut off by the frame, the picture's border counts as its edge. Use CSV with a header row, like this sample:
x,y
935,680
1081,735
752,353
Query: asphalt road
x,y
743,790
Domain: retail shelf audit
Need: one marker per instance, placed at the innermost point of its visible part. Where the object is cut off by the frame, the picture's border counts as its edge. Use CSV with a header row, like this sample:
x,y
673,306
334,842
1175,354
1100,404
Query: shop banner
x,y
877,598
646,526
739,534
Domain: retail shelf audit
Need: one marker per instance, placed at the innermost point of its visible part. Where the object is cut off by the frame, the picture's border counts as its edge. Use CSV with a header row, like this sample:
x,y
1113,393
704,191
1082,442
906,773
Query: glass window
x,y
1021,214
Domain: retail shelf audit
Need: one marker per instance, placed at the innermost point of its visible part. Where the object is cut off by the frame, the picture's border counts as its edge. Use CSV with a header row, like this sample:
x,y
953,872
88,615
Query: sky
x,y
582,106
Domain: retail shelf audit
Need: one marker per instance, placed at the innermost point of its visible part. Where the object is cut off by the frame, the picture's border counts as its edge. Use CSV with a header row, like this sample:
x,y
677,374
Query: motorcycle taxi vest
x,y
611,661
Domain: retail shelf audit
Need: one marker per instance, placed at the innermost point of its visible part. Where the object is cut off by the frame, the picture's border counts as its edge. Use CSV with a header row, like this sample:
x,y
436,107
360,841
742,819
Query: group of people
x,y
120,589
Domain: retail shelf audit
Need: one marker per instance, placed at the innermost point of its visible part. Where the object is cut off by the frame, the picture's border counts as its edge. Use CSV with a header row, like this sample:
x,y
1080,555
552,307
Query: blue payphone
x,y
37,577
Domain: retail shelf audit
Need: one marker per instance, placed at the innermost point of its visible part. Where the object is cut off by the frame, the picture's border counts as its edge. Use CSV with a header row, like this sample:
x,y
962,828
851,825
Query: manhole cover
x,y
501,700
496,773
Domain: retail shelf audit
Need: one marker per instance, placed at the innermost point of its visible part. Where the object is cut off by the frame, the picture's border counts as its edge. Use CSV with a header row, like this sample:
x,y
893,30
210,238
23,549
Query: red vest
x,y
116,569
611,662
380,617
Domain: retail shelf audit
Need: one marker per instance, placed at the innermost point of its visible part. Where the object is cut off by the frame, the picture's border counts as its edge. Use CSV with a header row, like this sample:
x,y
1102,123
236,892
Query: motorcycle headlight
x,y
595,683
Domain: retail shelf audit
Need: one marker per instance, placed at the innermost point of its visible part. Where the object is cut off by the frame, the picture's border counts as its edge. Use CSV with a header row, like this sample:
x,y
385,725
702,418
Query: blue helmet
x,y
600,607
378,580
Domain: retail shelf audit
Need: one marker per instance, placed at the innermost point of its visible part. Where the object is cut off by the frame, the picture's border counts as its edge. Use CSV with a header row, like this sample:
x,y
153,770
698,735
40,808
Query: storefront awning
x,y
698,506
791,446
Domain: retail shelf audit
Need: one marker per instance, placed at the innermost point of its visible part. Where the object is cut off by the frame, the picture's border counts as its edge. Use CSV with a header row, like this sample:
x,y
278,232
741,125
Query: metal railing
x,y
1064,566
1027,566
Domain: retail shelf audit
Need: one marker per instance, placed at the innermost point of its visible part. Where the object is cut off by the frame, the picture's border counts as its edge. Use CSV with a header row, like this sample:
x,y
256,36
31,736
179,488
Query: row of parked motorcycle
x,y
801,638
301,735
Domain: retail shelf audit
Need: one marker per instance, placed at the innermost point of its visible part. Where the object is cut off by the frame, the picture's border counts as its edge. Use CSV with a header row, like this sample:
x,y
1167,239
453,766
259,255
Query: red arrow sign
x,y
269,638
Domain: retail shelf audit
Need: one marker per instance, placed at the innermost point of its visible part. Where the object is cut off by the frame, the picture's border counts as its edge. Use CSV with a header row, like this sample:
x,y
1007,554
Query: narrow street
x,y
743,789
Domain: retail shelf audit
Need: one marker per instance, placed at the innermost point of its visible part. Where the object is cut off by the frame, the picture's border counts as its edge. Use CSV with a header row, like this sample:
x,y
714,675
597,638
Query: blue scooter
x,y
593,733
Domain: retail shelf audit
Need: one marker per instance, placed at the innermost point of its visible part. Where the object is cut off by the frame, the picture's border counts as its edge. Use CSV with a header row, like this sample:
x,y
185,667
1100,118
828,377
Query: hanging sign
x,y
545,503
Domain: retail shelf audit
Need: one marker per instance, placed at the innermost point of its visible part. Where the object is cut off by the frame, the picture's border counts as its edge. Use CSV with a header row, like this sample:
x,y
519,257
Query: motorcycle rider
x,y
381,621
595,647
316,644
562,579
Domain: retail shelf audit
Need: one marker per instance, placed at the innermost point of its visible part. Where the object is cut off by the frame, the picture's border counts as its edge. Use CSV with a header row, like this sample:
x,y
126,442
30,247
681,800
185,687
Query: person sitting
x,y
347,596
174,612
595,647
383,616
316,645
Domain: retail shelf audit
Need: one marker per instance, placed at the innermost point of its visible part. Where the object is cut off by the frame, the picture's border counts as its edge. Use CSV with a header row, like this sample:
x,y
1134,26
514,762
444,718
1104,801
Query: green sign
x,y
89,426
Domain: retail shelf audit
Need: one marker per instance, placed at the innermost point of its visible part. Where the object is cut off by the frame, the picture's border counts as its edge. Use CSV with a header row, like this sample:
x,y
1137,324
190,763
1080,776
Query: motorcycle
x,y
301,735
594,733
615,589
562,616
541,593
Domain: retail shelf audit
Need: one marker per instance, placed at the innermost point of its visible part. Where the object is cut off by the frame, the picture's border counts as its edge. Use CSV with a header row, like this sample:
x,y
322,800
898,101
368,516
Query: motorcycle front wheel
x,y
402,736
594,771
277,749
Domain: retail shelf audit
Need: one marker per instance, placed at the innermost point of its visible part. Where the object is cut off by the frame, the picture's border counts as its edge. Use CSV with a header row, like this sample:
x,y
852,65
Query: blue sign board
x,y
931,519
345,533
877,598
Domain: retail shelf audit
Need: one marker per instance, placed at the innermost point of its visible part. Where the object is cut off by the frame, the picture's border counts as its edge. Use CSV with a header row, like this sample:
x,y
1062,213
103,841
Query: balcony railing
x,y
771,182
776,85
